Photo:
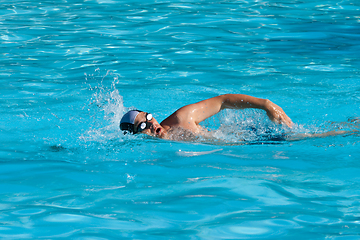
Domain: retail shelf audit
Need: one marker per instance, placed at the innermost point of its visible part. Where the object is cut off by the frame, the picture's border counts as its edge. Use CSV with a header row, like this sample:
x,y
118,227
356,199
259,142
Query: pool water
x,y
71,69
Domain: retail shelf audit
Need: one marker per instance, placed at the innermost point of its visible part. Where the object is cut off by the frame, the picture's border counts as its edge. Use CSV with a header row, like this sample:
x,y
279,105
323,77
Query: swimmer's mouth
x,y
157,131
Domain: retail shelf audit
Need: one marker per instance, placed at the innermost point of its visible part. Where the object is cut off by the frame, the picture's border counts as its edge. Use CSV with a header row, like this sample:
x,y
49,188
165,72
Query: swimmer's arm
x,y
200,111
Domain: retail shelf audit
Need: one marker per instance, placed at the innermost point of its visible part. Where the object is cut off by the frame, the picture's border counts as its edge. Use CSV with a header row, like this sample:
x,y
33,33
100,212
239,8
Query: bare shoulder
x,y
189,116
183,118
170,120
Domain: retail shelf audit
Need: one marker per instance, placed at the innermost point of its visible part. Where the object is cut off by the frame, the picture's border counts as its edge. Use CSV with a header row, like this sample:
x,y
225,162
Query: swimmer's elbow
x,y
265,103
226,101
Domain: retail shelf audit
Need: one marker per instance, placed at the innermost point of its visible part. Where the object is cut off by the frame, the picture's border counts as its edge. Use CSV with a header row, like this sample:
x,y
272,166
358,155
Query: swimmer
x,y
188,117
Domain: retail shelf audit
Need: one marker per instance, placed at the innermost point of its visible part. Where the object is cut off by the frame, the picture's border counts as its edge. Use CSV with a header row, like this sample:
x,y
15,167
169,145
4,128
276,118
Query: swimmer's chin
x,y
163,135
160,133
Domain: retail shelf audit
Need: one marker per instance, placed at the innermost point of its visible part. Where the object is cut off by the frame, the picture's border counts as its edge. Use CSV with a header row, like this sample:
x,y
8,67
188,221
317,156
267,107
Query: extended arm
x,y
195,113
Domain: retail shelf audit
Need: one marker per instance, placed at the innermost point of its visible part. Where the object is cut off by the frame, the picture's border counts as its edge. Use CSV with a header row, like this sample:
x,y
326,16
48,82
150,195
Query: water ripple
x,y
69,70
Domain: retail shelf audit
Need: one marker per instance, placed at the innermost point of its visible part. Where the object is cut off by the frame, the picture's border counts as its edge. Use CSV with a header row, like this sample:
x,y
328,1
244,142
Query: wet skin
x,y
189,116
155,130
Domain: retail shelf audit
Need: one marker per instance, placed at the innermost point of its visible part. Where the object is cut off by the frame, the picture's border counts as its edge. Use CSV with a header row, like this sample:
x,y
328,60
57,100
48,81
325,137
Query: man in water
x,y
188,117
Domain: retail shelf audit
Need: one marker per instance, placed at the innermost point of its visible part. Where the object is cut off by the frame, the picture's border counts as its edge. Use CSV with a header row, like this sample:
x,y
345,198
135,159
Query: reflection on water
x,y
69,70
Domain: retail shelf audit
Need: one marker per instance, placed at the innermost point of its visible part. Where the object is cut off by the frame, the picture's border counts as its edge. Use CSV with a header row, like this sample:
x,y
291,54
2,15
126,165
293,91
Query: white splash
x,y
105,109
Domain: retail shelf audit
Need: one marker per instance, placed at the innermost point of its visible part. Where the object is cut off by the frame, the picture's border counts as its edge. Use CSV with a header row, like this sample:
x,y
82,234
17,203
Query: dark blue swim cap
x,y
128,120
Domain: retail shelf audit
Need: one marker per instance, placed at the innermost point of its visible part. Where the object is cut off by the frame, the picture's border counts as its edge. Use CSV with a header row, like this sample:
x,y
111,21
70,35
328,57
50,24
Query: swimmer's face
x,y
153,128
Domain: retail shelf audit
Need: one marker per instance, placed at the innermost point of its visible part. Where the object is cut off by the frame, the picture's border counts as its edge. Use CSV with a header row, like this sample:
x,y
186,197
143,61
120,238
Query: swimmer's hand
x,y
189,116
276,114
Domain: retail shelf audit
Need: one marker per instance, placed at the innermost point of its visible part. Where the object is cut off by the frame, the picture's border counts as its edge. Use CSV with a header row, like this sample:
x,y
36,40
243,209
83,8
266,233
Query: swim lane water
x,y
70,69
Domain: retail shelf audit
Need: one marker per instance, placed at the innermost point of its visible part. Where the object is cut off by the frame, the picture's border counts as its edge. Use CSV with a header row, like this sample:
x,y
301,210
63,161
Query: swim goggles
x,y
145,125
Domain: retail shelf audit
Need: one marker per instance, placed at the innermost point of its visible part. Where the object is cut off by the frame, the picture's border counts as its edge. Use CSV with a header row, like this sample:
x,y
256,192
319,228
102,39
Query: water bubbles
x,y
244,126
105,108
129,178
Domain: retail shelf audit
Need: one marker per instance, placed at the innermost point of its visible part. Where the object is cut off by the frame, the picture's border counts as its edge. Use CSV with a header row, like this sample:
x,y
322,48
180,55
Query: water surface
x,y
69,70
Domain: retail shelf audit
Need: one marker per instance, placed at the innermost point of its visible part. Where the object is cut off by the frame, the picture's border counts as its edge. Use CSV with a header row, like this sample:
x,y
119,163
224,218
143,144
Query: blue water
x,y
70,69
